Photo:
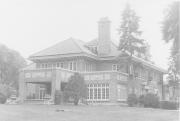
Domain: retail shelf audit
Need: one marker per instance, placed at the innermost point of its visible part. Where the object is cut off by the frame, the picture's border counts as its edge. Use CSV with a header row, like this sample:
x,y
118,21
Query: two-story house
x,y
104,67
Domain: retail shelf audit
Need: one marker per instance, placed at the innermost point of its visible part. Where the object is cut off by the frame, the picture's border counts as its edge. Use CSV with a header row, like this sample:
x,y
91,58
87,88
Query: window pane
x,y
62,65
103,93
91,93
95,93
107,93
114,67
99,93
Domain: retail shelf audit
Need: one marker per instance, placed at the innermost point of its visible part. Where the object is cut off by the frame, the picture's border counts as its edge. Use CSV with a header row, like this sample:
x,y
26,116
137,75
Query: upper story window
x,y
114,67
62,65
73,66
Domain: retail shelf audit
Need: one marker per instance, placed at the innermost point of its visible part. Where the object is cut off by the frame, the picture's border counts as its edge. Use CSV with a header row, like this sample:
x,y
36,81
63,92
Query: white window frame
x,y
73,64
61,64
114,65
98,87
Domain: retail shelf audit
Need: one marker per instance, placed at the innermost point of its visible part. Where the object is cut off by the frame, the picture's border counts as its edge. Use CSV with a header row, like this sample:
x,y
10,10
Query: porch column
x,y
55,83
113,88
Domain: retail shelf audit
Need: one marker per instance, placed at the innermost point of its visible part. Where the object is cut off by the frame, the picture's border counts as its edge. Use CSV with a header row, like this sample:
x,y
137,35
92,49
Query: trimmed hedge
x,y
141,100
2,98
151,100
132,100
169,105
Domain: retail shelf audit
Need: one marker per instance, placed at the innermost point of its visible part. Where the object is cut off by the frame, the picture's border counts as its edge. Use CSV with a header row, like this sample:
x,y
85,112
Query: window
x,y
57,64
98,92
117,67
73,66
62,65
114,67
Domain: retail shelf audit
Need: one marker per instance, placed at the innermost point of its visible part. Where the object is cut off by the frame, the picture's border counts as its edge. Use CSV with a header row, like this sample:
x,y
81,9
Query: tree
x,y
10,64
173,79
170,30
76,88
130,41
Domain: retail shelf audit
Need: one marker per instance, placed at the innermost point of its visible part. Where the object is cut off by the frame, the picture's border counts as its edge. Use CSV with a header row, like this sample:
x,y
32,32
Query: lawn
x,y
83,113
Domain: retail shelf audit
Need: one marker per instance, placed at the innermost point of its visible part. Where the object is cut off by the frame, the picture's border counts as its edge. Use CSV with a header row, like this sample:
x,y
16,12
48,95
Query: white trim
x,y
97,87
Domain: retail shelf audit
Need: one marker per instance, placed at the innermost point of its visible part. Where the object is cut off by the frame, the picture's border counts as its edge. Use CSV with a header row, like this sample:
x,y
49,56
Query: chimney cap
x,y
104,19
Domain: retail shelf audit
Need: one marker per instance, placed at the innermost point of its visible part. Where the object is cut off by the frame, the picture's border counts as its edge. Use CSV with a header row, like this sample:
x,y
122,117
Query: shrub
x,y
151,100
76,88
2,98
132,100
141,100
169,105
58,97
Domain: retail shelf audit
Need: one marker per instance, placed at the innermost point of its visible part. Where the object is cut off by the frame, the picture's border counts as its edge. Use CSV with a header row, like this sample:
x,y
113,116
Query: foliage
x,y
129,33
169,105
6,90
3,98
76,88
10,63
151,100
141,100
170,27
130,41
170,30
132,99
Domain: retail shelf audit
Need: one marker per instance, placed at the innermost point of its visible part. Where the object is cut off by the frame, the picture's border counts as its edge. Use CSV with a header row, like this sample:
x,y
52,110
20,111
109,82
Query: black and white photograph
x,y
89,60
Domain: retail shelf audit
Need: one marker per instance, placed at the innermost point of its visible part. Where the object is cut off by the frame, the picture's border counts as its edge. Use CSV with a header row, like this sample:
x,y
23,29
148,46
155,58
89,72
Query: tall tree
x,y
130,41
10,64
170,27
170,30
76,88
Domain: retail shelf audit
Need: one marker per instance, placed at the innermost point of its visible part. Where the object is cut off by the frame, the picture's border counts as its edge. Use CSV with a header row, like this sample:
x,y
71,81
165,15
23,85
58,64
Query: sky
x,y
29,26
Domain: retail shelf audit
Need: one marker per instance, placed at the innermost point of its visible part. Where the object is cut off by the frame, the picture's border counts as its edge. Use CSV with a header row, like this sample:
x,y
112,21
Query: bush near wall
x,y
141,100
169,105
132,100
151,100
3,98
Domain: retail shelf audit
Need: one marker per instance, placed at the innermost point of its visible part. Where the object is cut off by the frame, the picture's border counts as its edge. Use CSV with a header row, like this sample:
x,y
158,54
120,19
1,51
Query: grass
x,y
83,113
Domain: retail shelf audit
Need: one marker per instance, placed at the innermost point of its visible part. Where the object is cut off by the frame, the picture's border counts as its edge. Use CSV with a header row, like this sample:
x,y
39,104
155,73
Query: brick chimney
x,y
104,36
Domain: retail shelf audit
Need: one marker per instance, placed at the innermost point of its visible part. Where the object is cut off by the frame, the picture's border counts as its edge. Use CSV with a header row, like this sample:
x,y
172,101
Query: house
x,y
104,67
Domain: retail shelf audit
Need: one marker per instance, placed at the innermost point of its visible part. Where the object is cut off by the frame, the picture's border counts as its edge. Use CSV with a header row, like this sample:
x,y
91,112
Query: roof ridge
x,y
76,43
